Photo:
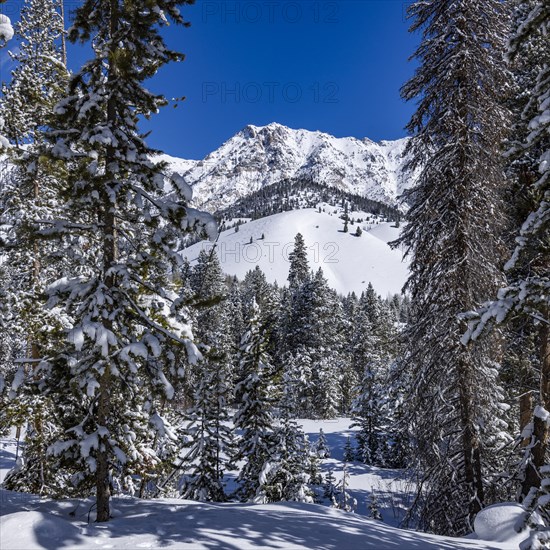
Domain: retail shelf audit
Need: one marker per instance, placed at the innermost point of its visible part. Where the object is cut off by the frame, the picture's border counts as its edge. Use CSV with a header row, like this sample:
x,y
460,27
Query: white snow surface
x,y
258,156
28,522
348,262
497,523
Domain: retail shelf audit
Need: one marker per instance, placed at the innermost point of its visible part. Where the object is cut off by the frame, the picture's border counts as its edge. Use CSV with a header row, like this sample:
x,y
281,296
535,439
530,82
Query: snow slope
x,y
258,156
348,262
28,523
171,523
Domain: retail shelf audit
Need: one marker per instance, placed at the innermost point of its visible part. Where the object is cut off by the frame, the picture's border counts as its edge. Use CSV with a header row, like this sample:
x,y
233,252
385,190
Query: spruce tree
x,y
298,272
253,416
369,408
40,74
284,475
450,236
211,439
28,195
321,447
129,327
527,293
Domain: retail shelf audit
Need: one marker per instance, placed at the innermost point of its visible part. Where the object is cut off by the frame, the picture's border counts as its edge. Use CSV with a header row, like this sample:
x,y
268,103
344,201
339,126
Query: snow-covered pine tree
x,y
331,491
39,77
6,33
211,440
374,510
368,409
349,451
321,446
27,196
212,317
451,238
527,293
236,326
314,330
296,383
298,272
255,288
253,416
345,501
129,325
326,391
284,476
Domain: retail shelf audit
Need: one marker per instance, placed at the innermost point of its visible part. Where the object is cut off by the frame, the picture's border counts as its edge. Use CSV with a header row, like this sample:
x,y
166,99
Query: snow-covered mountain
x,y
349,262
260,156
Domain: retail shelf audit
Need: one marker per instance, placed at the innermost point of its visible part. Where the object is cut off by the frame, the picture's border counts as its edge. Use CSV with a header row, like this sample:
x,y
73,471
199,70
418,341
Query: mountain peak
x,y
259,156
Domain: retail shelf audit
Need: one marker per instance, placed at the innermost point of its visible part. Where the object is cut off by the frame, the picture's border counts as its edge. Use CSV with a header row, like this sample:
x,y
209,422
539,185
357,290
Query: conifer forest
x,y
154,394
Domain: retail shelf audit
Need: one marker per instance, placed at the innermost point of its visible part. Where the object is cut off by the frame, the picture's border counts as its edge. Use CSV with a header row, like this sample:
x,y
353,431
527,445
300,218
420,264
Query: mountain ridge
x,y
259,156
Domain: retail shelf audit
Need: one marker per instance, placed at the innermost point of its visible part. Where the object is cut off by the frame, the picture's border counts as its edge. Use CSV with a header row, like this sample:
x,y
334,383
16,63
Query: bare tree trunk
x,y
526,407
470,444
541,432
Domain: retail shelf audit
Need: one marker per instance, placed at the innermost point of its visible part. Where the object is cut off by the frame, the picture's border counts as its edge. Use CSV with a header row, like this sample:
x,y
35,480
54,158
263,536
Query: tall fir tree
x,y
26,196
210,446
253,416
456,206
211,440
298,272
527,294
128,324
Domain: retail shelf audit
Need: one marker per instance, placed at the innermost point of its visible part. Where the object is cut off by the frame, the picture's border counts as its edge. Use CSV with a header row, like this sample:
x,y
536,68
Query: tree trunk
x,y
526,407
63,36
541,432
470,441
110,257
103,488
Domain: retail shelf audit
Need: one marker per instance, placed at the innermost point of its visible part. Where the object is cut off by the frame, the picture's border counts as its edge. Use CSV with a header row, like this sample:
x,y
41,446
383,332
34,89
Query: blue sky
x,y
334,66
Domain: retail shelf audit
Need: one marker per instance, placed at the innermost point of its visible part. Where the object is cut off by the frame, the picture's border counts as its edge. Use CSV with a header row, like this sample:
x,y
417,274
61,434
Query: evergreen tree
x,y
128,325
253,416
211,444
40,76
374,511
321,447
527,294
284,476
28,195
256,289
298,272
331,491
349,451
450,236
369,410
297,390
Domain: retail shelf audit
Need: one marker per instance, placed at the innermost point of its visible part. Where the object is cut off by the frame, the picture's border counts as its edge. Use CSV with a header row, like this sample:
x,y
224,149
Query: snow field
x,y
348,262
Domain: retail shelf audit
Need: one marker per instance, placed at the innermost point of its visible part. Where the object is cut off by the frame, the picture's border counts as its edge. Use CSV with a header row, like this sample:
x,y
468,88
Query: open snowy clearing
x,y
349,262
28,523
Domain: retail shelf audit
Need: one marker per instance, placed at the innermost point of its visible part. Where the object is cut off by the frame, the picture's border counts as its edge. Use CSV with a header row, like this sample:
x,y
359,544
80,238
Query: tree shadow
x,y
184,524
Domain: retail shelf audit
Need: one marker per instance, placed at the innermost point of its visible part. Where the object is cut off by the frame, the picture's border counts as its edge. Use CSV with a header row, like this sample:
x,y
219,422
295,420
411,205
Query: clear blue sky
x,y
334,66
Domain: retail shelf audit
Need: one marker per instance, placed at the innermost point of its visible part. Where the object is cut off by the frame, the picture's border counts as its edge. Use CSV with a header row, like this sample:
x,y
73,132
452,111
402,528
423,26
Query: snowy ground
x,y
349,262
28,523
